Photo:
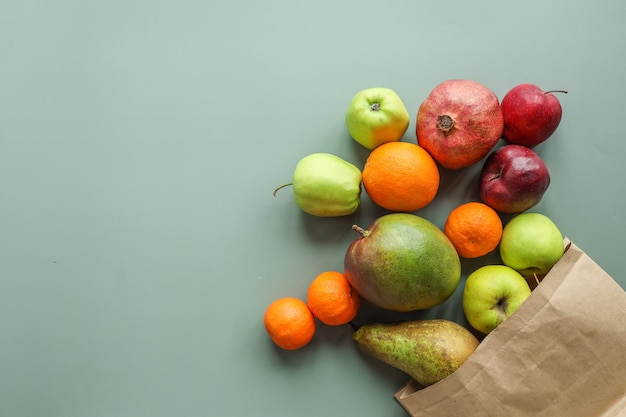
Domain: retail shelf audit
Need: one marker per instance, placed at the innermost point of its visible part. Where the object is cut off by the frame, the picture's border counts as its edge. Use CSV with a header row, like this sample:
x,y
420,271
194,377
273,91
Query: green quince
x,y
326,185
376,116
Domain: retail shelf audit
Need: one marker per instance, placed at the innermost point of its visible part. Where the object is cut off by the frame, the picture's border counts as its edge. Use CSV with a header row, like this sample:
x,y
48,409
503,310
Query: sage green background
x,y
140,142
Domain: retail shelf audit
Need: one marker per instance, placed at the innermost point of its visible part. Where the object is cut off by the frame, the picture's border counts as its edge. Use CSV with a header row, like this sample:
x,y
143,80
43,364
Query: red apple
x,y
513,179
531,115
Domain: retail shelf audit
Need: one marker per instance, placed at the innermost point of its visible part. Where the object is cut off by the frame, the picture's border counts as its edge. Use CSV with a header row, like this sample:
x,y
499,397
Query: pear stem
x,y
282,186
555,91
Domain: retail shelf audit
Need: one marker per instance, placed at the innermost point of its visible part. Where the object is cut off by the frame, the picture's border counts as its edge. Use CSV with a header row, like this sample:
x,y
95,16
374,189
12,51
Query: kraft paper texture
x,y
563,353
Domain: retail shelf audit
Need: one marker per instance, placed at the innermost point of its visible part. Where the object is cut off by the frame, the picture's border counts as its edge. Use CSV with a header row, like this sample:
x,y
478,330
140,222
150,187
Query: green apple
x,y
492,294
531,244
326,185
376,116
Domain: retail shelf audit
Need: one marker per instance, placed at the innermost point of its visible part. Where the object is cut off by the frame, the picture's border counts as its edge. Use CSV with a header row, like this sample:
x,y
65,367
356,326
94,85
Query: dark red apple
x,y
531,115
513,179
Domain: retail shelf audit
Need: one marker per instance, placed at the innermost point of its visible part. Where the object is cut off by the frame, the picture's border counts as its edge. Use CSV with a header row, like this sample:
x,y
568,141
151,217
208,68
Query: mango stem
x,y
360,230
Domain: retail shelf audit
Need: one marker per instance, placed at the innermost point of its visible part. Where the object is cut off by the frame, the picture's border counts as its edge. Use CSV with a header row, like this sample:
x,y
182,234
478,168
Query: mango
x,y
403,262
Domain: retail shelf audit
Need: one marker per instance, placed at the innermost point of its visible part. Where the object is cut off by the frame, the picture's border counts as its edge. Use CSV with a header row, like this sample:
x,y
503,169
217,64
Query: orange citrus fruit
x,y
475,229
332,299
401,176
289,322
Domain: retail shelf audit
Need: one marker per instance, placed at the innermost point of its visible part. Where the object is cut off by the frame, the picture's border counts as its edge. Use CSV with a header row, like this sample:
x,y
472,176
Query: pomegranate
x,y
459,123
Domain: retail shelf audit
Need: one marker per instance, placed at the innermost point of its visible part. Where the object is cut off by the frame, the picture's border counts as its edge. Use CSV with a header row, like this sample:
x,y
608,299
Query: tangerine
x,y
332,299
289,323
401,176
474,228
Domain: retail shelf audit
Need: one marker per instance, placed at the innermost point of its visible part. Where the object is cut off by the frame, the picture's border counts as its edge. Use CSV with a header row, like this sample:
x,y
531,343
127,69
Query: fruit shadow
x,y
460,185
339,229
451,309
289,358
327,229
333,335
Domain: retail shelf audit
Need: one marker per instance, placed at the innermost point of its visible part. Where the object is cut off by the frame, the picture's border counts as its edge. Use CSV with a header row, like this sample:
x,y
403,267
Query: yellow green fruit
x,y
326,185
376,116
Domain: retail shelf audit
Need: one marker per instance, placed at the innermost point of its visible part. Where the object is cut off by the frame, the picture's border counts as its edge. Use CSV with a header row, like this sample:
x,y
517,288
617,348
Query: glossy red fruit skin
x,y
531,115
513,179
477,123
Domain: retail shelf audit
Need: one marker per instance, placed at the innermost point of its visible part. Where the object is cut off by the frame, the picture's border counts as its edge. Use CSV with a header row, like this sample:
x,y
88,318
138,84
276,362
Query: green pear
x,y
326,185
531,244
426,350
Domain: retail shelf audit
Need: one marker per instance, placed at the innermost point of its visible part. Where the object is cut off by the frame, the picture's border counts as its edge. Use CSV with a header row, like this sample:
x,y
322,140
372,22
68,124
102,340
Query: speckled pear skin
x,y
426,350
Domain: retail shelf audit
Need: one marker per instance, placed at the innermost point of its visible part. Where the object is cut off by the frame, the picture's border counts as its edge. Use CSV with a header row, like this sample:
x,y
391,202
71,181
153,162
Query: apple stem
x,y
282,186
536,279
360,230
555,91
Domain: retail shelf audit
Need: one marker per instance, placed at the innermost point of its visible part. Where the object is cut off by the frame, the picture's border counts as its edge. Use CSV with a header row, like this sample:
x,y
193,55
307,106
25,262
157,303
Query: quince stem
x,y
282,186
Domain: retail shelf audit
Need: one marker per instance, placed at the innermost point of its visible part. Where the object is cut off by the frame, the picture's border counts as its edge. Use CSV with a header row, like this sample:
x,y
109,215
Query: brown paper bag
x,y
563,353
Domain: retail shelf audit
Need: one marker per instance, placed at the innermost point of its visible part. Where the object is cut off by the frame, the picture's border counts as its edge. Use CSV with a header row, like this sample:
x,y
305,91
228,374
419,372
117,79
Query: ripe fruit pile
x,y
403,262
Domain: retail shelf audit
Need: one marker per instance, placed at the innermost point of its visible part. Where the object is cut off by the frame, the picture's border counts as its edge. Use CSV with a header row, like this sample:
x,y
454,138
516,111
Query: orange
x,y
401,176
332,299
289,323
475,229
